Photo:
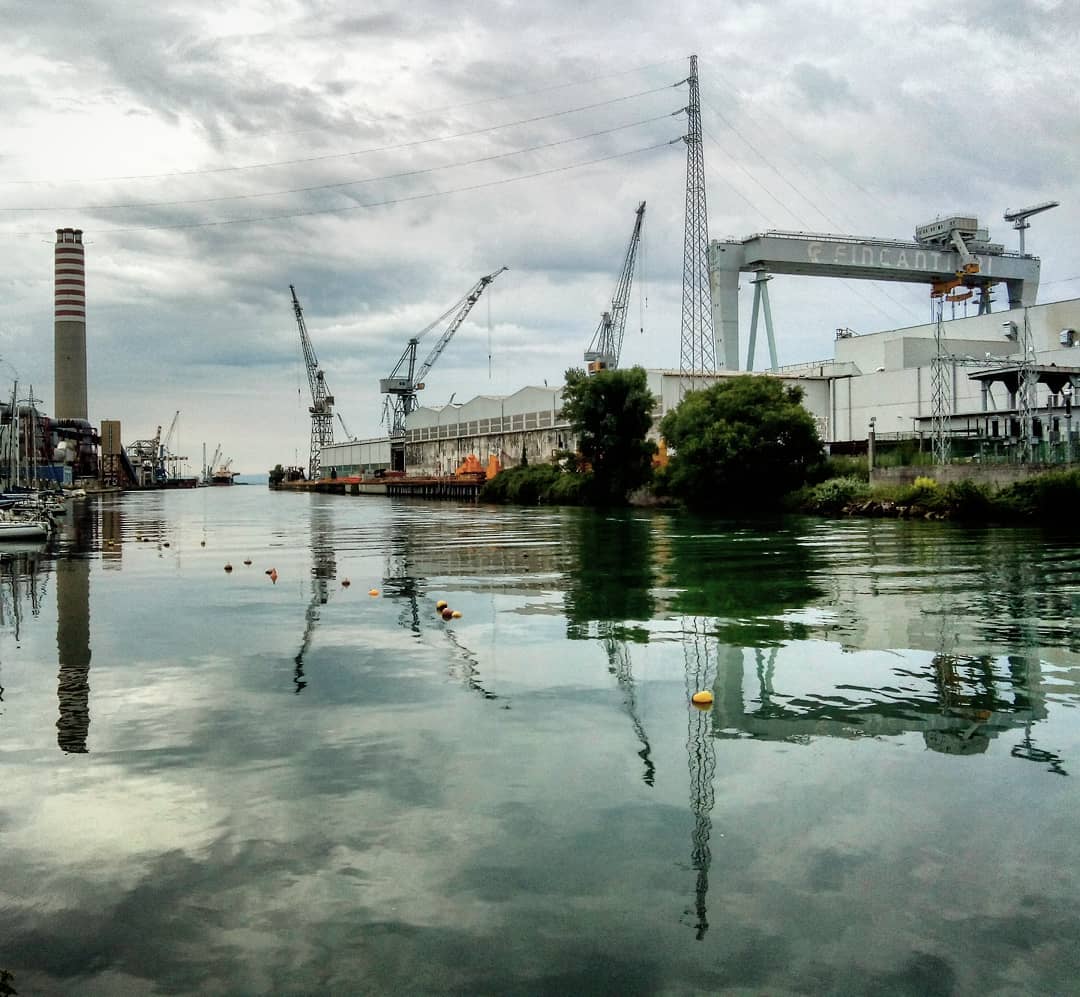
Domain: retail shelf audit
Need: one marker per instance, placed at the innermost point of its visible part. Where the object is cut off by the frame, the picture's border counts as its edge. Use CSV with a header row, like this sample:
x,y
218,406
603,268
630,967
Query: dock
x,y
453,487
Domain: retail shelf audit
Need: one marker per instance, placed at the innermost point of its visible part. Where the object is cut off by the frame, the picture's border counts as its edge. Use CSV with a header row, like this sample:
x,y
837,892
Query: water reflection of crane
x,y
323,572
700,665
399,584
620,665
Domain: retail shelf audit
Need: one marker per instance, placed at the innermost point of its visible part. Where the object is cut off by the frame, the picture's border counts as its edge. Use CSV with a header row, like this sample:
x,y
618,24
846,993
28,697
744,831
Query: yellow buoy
x,y
703,698
373,592
456,615
440,605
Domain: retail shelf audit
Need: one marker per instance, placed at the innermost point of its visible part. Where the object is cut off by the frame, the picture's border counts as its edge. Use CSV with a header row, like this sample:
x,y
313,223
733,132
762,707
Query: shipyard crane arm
x,y
406,378
169,435
605,347
322,402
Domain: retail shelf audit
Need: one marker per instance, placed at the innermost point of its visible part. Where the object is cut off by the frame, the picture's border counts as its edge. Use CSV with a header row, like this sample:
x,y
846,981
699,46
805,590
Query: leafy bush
x,y
1043,495
838,466
968,500
569,489
536,484
834,495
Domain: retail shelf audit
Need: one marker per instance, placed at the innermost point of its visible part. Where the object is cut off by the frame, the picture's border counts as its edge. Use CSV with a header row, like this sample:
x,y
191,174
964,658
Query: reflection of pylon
x,y
700,665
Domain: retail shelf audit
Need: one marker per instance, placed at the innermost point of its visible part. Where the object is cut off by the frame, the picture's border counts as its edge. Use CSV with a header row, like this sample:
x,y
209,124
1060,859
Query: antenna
x,y
1020,218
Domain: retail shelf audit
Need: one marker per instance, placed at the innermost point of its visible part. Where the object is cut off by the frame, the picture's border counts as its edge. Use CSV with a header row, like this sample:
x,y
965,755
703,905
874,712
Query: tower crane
x,y
1020,218
606,343
406,379
322,402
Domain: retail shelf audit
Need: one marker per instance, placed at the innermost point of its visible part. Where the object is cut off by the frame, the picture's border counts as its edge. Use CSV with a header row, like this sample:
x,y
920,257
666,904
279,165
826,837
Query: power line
x,y
493,100
347,183
362,152
378,204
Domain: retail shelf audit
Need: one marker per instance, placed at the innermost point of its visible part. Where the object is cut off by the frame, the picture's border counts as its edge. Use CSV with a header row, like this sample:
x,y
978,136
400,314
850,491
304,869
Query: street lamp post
x,y
1066,393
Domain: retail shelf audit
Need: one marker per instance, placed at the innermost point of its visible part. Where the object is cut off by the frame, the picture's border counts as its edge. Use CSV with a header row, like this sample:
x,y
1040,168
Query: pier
x,y
456,487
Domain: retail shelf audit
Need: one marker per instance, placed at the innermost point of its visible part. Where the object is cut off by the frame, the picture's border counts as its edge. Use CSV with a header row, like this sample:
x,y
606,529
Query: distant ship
x,y
223,476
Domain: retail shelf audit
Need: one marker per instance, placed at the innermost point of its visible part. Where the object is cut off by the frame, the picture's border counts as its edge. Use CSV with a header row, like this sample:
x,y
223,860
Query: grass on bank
x,y
1043,495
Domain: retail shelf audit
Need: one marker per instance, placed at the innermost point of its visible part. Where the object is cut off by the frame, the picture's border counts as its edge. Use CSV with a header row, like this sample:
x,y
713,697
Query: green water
x,y
218,783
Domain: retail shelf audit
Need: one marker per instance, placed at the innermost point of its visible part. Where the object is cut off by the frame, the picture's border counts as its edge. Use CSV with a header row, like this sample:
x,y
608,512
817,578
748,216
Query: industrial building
x,y
879,380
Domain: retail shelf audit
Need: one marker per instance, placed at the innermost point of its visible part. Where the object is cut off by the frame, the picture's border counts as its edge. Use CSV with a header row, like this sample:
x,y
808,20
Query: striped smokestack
x,y
69,342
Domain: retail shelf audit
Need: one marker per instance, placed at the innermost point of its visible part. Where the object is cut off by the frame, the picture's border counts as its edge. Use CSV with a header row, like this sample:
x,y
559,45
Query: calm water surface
x,y
215,783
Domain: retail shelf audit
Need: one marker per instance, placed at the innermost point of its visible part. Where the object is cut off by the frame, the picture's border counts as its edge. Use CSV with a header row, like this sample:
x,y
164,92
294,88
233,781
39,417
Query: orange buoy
x,y
440,605
228,567
447,614
373,591
456,615
273,575
345,583
703,698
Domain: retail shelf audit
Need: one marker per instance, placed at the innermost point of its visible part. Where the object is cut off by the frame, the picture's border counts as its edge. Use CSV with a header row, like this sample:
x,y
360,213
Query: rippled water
x,y
218,783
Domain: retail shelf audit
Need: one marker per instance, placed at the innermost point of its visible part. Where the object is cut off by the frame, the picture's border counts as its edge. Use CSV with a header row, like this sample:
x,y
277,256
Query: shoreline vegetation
x,y
1052,494
742,446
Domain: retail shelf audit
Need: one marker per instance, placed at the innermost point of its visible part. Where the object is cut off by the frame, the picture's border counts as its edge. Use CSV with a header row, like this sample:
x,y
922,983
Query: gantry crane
x,y
322,402
606,343
406,379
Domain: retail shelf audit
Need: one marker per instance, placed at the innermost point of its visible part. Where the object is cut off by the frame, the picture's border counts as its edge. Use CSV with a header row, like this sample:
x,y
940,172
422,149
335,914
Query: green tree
x,y
611,414
742,444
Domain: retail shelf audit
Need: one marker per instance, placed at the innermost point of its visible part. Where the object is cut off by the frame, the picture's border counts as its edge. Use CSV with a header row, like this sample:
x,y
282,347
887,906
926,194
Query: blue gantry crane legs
x,y
605,347
322,402
406,379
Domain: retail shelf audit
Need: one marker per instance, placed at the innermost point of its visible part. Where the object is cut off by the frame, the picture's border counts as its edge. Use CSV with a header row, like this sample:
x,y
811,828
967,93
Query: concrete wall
x,y
998,475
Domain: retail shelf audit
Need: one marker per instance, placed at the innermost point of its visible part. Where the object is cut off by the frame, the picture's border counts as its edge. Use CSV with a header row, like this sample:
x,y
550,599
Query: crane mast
x,y
605,346
322,402
406,378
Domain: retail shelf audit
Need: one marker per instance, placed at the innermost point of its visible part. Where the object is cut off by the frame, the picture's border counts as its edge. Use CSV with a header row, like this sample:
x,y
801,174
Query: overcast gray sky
x,y
382,160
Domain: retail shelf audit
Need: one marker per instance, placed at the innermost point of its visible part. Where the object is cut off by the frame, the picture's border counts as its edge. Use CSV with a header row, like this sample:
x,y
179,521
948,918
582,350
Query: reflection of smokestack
x,y
69,345
73,644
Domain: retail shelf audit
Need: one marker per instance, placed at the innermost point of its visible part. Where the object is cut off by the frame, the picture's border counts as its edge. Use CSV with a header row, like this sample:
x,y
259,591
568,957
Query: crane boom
x,y
322,402
406,379
605,346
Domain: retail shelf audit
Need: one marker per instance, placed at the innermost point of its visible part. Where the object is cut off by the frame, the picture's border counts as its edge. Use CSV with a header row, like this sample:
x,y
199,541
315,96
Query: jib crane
x,y
406,379
606,344
322,402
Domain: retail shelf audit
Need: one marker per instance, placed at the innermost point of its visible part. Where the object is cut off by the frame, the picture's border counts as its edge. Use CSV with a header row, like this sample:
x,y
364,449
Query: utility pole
x,y
697,353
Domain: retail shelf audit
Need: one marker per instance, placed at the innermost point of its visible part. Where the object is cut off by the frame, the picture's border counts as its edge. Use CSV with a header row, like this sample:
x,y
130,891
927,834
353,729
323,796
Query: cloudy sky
x,y
383,159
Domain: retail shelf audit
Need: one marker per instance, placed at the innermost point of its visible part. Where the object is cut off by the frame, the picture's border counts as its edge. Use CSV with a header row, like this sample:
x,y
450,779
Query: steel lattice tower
x,y
940,392
697,353
1025,394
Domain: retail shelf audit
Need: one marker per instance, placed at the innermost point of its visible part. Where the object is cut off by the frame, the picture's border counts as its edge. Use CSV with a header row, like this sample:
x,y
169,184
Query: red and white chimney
x,y
69,342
